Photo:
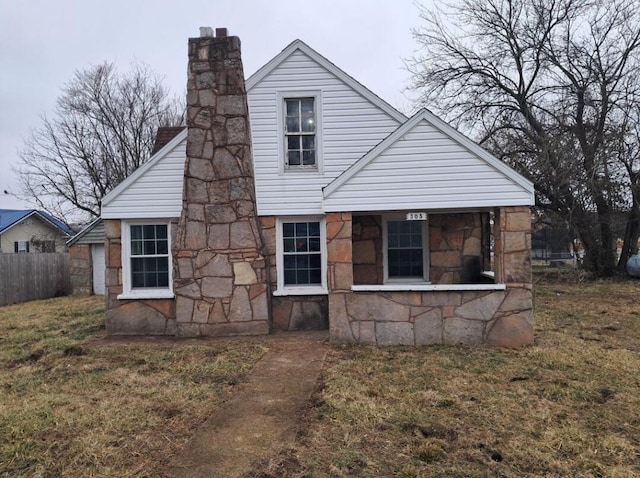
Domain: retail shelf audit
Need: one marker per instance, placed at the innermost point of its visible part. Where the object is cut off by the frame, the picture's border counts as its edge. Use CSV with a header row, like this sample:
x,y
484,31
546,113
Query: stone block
x,y
343,276
201,312
260,307
454,240
241,236
195,235
518,219
377,308
367,332
281,310
218,236
216,313
201,168
255,327
394,333
333,226
244,274
185,267
112,229
441,298
206,97
240,307
135,318
445,259
339,325
237,130
482,308
516,300
364,252
219,213
339,250
472,246
516,268
514,241
462,331
190,289
184,309
511,331
165,306
309,315
365,274
225,164
187,330
217,287
428,327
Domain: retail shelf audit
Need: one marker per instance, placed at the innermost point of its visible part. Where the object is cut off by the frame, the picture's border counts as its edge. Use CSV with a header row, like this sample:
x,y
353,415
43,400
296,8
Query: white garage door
x,y
97,258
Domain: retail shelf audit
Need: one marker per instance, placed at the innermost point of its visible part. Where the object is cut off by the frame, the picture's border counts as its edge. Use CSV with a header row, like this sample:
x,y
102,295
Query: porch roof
x,y
426,164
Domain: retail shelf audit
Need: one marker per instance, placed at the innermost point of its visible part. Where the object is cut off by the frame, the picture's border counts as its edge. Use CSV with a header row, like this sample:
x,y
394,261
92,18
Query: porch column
x,y
513,324
339,275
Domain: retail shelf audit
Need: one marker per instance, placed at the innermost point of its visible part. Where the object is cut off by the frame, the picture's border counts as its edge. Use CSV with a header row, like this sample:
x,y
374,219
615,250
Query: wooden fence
x,y
25,277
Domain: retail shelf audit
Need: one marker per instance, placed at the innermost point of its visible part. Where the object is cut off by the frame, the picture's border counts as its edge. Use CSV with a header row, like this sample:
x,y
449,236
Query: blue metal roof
x,y
9,217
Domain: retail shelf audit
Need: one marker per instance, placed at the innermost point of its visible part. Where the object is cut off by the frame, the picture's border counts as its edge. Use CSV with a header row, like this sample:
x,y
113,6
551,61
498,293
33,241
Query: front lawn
x,y
74,404
568,406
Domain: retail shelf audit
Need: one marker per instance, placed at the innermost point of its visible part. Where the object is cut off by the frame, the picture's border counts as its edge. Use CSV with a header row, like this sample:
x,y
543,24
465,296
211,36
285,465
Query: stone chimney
x,y
220,279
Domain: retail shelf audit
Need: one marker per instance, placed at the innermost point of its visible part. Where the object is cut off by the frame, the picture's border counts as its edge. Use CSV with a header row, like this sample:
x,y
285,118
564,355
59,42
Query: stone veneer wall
x,y
131,317
293,312
501,318
81,272
455,249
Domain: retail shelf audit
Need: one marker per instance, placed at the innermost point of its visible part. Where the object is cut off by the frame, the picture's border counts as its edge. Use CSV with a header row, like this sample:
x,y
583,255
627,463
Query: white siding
x,y
426,169
155,194
98,264
351,126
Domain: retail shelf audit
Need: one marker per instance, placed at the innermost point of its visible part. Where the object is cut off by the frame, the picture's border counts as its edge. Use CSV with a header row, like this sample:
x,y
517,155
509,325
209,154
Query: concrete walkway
x,y
263,415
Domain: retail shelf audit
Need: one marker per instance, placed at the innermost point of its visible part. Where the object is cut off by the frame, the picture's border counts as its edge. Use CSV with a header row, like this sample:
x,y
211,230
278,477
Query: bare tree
x,y
102,130
549,86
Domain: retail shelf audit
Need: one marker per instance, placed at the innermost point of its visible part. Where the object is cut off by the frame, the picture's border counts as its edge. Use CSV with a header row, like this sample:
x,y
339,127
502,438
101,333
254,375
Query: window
x,y
21,246
146,262
301,255
406,250
300,133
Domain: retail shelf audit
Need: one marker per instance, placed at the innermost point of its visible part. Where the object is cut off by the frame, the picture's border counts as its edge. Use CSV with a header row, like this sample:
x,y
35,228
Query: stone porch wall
x,y
500,317
290,312
81,271
132,317
455,249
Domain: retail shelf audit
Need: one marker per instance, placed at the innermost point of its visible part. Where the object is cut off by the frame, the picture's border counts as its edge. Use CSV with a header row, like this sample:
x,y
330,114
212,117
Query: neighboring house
x,y
87,259
30,230
357,218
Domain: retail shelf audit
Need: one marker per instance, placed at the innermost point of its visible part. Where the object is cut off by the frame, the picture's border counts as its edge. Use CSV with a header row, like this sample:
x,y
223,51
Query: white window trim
x,y
385,254
281,289
294,94
127,291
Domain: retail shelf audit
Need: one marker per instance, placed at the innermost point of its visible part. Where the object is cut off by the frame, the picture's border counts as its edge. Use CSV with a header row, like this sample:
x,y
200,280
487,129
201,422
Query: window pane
x,y
314,244
293,143
289,245
306,105
308,124
308,142
301,229
136,248
292,107
309,158
289,277
161,231
293,124
136,232
288,229
149,248
162,246
149,231
294,158
314,229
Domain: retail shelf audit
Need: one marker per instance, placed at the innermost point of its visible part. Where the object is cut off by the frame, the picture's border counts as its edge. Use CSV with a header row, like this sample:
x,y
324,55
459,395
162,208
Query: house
x,y
30,230
86,250
302,200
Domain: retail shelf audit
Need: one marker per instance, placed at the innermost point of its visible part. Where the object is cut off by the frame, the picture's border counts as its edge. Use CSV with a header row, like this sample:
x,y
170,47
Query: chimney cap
x,y
206,32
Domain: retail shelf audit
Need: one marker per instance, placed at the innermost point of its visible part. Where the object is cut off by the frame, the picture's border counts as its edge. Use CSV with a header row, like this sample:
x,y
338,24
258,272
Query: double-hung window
x,y
21,246
301,256
406,250
146,266
300,133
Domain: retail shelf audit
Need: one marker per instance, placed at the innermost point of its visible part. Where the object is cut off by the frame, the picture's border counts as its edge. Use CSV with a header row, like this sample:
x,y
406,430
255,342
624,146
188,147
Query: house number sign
x,y
416,216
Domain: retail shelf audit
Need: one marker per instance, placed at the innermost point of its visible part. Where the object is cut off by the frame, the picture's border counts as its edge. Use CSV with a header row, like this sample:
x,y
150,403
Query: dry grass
x,y
568,406
74,405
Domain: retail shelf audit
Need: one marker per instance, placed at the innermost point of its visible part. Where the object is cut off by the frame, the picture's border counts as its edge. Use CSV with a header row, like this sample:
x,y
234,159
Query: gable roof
x,y
429,160
253,80
299,45
93,233
12,217
129,180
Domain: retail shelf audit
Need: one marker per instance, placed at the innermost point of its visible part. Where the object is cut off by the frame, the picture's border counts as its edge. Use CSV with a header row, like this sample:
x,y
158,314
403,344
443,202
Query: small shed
x,y
87,259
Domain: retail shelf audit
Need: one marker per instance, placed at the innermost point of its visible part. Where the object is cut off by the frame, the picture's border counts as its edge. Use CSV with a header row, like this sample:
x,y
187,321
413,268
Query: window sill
x,y
146,294
300,291
425,287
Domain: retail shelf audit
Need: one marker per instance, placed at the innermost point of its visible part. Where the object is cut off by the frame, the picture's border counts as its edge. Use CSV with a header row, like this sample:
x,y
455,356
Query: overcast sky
x,y
42,42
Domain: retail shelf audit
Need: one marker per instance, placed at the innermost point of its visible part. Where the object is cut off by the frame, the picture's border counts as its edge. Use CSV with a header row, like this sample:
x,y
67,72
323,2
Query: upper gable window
x,y
300,133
